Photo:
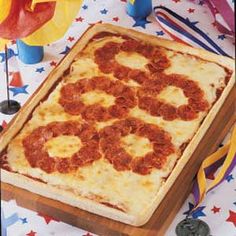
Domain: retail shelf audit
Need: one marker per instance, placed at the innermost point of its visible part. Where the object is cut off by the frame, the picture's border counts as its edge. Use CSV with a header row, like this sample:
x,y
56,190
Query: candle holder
x,y
139,9
29,54
8,107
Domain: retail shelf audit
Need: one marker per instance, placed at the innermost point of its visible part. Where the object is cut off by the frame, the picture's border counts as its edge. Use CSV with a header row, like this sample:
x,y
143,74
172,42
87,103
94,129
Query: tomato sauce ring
x,y
121,160
105,58
72,103
147,97
38,157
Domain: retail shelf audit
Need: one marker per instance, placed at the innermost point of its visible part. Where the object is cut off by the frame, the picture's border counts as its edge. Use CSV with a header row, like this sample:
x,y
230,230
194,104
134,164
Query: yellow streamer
x,y
3,42
6,5
34,2
201,177
65,12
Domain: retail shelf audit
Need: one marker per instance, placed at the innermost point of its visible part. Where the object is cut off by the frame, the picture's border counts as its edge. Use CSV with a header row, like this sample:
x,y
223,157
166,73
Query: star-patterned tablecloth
x,y
219,207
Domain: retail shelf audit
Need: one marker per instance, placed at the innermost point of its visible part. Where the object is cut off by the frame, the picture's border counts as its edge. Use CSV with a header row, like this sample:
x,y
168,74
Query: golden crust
x,y
54,77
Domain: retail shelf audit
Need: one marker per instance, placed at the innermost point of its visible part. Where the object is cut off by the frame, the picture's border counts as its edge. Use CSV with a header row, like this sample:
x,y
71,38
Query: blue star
x,y
141,22
196,213
85,7
191,206
192,22
160,33
19,90
67,49
24,220
104,11
40,70
221,36
229,178
10,53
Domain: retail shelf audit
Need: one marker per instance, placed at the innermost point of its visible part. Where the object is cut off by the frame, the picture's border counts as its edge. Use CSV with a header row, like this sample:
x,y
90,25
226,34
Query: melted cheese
x,y
83,68
100,181
101,125
181,131
136,146
208,75
173,95
133,60
62,146
98,97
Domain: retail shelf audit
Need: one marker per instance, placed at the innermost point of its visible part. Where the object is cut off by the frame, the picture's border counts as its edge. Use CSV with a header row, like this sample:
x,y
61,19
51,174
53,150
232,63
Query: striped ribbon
x,y
223,14
224,157
183,30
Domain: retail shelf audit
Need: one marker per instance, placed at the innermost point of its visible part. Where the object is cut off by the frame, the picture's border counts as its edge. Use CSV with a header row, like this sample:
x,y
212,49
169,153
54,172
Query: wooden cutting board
x,y
166,211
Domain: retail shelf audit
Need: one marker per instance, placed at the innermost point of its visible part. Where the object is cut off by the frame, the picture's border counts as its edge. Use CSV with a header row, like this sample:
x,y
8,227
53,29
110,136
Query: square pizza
x,y
114,124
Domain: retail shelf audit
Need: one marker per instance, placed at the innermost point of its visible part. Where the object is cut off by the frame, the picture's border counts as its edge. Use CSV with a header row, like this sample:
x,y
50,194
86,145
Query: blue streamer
x,y
215,48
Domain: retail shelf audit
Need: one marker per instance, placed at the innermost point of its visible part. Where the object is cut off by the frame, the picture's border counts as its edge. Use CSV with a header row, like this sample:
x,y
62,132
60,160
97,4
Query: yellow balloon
x,y
65,12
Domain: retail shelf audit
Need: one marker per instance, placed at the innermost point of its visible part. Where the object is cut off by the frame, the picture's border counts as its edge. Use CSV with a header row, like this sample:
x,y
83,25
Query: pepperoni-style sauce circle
x,y
105,58
71,93
147,97
113,151
108,139
37,156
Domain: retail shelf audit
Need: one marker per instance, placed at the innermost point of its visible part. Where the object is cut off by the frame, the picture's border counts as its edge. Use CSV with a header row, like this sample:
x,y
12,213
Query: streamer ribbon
x,y
185,31
224,157
36,22
223,14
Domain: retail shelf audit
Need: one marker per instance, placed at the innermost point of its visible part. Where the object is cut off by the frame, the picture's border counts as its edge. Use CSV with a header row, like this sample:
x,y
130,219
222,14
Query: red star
x,y
13,41
232,217
191,10
116,19
47,218
214,24
123,0
31,233
176,1
87,234
215,209
71,39
79,19
53,63
4,124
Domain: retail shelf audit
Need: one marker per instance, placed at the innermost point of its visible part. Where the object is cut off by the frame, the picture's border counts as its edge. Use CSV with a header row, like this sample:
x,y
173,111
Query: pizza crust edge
x,y
86,204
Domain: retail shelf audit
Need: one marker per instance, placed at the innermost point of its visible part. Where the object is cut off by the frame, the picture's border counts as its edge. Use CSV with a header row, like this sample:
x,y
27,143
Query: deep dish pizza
x,y
113,132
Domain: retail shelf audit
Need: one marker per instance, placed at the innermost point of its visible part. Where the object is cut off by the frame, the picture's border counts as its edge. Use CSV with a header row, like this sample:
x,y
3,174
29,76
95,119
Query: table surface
x,y
219,207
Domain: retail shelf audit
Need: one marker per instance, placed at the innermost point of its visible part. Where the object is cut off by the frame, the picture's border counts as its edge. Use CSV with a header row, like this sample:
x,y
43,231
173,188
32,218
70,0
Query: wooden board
x,y
166,211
